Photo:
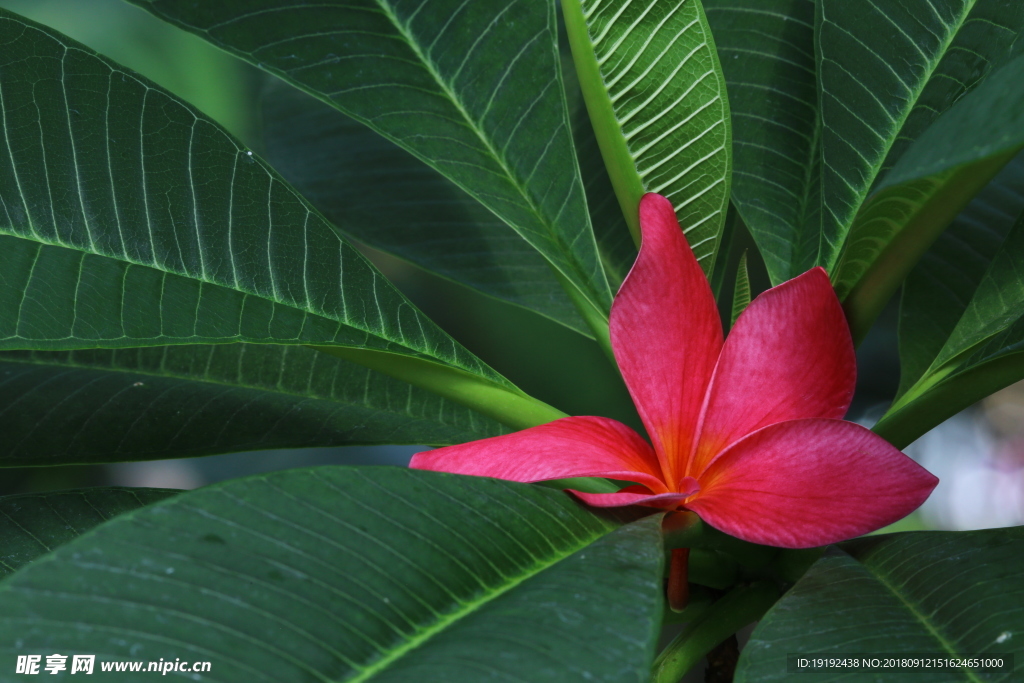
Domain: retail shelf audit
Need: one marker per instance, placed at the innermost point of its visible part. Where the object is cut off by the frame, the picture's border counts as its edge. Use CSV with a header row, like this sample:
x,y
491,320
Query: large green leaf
x,y
473,89
655,92
997,302
936,177
54,297
129,219
387,198
383,196
944,282
177,401
354,574
767,53
887,72
33,524
962,315
917,593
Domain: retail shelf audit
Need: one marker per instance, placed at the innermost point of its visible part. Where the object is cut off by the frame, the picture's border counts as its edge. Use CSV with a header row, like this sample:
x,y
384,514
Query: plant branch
x,y
739,607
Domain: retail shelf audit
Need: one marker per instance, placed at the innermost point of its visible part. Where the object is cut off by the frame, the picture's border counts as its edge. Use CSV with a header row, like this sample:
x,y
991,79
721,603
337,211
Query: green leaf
x,y
130,219
983,374
997,303
941,593
944,282
170,231
931,183
614,240
33,524
656,96
767,52
382,195
886,73
728,245
462,86
961,329
178,401
741,292
354,574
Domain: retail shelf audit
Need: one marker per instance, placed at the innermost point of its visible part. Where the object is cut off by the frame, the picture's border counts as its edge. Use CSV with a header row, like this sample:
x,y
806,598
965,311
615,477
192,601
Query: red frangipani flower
x,y
746,432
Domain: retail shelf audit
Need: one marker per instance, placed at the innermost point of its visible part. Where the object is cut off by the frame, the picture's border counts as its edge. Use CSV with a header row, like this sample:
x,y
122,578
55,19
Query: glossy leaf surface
x,y
655,92
355,574
130,219
465,88
177,401
944,593
767,53
33,524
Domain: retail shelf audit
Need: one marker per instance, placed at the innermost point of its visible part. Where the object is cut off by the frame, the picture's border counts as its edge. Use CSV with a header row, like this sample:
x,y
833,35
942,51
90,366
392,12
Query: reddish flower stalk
x,y
678,588
746,431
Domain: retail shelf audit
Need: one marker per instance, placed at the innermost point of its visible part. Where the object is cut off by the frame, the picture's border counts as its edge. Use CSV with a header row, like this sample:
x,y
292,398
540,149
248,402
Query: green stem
x,y
739,607
510,407
621,167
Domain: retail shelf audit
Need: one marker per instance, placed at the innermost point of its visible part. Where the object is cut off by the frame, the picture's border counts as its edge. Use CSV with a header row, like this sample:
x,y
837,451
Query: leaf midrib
x,y
275,391
485,140
465,609
952,361
185,378
338,319
124,258
619,121
918,615
813,152
915,96
579,275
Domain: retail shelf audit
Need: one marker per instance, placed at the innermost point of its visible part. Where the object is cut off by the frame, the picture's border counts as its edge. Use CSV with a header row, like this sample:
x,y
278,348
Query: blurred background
x,y
978,454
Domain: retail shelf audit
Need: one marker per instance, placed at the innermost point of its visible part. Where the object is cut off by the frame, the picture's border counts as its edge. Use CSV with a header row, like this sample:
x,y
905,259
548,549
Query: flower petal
x,y
806,483
569,447
789,357
666,334
638,495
